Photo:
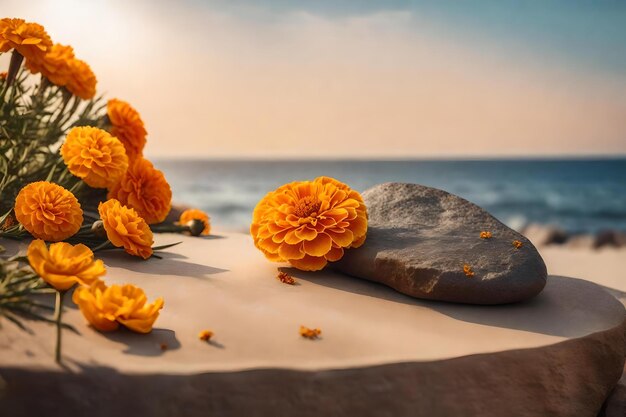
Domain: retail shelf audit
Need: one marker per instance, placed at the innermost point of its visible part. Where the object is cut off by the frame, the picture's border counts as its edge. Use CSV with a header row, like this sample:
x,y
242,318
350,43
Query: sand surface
x,y
224,284
606,266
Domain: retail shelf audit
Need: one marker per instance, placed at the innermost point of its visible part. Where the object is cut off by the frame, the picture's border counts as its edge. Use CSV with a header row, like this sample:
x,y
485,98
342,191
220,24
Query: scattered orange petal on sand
x,y
468,270
517,244
486,235
285,278
205,335
309,333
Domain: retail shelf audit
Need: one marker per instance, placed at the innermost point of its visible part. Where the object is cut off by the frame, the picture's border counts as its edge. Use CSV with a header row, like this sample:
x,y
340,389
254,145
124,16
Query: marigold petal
x,y
319,246
309,263
287,251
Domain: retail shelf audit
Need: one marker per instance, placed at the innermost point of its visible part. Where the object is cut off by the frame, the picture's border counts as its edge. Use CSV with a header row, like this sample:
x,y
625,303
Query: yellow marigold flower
x,y
468,271
55,65
309,223
48,211
105,308
29,39
124,228
95,156
64,265
309,333
205,335
195,214
486,235
517,244
127,126
145,189
82,81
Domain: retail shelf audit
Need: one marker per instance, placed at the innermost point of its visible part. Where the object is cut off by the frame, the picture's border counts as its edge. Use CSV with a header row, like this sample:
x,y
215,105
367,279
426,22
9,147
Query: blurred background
x,y
517,106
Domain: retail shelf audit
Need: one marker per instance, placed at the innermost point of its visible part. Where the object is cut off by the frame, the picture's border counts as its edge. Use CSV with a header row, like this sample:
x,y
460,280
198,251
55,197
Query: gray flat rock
x,y
420,238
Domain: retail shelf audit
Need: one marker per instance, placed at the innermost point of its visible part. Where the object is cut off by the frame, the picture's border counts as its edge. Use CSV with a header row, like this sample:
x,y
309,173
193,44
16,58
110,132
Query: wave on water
x,y
579,196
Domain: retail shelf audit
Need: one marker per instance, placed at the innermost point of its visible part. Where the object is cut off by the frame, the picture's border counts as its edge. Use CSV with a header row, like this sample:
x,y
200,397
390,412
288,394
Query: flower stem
x,y
59,315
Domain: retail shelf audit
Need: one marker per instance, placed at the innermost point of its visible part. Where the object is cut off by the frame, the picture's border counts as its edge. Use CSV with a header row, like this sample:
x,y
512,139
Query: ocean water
x,y
580,196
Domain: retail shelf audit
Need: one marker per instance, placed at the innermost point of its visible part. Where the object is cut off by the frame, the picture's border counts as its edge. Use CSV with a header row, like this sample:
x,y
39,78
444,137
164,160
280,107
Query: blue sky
x,y
591,34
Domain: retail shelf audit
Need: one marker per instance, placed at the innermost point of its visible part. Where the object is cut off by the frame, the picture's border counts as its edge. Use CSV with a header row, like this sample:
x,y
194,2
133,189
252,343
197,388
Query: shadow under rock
x,y
154,343
169,264
567,307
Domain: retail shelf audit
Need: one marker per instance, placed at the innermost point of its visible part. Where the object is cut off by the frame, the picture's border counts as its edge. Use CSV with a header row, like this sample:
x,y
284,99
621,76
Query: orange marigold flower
x,y
63,265
82,81
105,308
309,223
124,228
205,335
145,189
95,156
3,75
195,214
309,333
468,271
517,244
29,39
486,235
48,211
285,278
55,65
127,126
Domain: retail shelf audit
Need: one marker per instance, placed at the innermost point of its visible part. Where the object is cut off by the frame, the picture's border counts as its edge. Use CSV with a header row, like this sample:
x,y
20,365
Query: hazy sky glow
x,y
363,79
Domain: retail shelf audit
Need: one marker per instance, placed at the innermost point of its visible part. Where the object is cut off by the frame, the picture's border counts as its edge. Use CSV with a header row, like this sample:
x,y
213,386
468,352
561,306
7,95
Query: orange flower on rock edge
x,y
309,223
124,228
29,39
48,211
127,126
105,308
63,265
95,156
195,214
145,189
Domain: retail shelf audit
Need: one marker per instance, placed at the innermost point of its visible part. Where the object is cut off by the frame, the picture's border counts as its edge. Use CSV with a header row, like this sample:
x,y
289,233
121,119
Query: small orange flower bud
x,y
467,270
517,244
485,235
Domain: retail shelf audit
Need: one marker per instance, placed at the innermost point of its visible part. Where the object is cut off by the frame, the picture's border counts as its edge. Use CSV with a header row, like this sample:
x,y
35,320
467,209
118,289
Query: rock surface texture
x,y
381,353
426,243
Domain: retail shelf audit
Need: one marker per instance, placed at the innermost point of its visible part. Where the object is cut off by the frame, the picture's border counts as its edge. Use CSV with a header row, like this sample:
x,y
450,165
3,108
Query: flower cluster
x,y
106,152
309,223
63,266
